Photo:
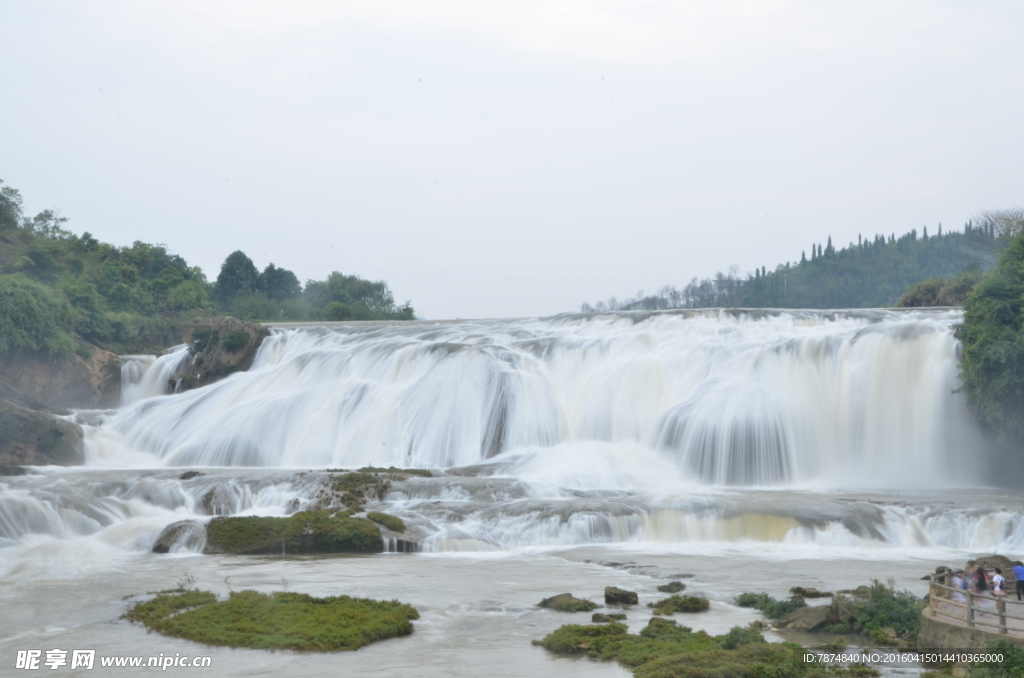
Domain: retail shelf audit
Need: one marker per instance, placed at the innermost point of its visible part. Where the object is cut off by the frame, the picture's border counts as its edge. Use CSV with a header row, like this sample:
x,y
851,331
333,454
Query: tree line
x,y
60,290
873,272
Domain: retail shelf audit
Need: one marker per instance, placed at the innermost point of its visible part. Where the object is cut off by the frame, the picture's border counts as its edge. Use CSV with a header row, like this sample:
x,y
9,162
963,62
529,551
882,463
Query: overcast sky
x,y
511,158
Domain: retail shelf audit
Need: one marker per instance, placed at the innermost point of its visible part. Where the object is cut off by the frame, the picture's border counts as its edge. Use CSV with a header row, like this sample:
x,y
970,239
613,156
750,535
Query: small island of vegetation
x,y
276,621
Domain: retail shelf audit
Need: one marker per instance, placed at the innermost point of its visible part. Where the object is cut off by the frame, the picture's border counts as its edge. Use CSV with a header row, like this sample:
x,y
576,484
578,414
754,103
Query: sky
x,y
511,158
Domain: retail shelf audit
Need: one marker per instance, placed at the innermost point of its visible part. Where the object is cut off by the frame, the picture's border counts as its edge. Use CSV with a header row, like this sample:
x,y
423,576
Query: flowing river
x,y
744,451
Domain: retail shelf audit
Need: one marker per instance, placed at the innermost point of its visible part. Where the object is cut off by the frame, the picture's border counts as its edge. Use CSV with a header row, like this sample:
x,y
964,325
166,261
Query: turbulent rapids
x,y
694,427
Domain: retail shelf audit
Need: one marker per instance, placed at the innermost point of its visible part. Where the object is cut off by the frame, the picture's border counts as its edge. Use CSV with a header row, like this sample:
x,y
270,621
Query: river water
x,y
746,451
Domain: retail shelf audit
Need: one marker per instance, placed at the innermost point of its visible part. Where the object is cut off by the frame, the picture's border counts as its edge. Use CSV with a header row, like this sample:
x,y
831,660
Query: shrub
x,y
33,317
235,341
1012,665
771,608
888,608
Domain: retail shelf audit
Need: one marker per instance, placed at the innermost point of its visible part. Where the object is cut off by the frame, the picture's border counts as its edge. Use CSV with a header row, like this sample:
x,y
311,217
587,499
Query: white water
x,y
860,399
807,448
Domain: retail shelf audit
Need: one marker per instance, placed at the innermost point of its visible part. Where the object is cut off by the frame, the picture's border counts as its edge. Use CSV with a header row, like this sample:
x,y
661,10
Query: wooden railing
x,y
977,609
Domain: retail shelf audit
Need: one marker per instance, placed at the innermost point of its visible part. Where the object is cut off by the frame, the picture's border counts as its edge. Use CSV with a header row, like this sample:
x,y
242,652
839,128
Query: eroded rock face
x,y
219,346
32,437
93,382
616,596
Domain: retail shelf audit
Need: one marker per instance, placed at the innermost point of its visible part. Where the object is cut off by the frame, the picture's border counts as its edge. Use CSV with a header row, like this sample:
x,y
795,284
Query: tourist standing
x,y
1018,573
998,583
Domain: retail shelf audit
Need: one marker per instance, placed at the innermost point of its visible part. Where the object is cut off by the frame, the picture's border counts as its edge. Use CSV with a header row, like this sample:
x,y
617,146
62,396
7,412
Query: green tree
x,y
992,336
238,275
10,207
279,283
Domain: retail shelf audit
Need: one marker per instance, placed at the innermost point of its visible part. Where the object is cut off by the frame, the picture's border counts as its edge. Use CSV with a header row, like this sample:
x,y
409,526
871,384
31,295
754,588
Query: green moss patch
x,y
278,621
671,651
672,587
566,602
303,532
391,522
680,604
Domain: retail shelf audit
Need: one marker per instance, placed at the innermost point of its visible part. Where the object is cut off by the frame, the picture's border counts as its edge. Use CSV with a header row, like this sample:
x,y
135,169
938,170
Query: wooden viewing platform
x,y
992,616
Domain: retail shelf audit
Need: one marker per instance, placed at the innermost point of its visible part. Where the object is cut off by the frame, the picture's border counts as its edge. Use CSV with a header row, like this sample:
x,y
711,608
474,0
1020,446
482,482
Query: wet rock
x,y
34,437
810,593
218,501
189,475
672,587
219,346
175,533
616,596
805,619
655,622
303,532
862,591
566,602
600,618
618,616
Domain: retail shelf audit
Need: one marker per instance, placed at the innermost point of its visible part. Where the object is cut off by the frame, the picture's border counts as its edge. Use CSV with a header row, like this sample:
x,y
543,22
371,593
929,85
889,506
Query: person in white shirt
x,y
998,583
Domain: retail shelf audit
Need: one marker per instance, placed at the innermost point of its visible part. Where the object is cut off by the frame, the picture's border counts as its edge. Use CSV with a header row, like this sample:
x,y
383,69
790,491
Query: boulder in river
x,y
35,437
616,596
672,587
219,346
805,619
566,602
810,593
181,532
601,618
303,532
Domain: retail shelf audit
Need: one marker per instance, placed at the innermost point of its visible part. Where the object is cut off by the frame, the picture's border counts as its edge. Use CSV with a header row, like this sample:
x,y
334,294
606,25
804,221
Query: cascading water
x,y
564,431
753,450
146,376
730,397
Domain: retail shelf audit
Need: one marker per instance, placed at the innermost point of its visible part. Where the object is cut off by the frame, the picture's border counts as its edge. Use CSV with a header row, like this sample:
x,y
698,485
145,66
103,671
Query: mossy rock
x,y
393,523
566,602
672,587
674,604
278,621
304,532
616,596
809,593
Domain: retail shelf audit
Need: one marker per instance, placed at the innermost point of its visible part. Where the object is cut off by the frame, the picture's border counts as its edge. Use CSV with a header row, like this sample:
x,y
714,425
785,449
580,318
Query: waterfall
x,y
728,397
146,376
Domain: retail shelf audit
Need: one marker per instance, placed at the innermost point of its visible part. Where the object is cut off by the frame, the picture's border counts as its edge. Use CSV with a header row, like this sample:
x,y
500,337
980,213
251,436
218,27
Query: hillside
x,y
61,292
870,273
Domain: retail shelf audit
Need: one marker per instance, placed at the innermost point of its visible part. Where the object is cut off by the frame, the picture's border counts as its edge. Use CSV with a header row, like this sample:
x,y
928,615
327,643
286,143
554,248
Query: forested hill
x,y
59,289
870,273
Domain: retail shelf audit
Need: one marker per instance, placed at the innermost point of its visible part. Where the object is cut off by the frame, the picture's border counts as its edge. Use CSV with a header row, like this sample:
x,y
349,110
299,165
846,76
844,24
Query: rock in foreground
x,y
616,596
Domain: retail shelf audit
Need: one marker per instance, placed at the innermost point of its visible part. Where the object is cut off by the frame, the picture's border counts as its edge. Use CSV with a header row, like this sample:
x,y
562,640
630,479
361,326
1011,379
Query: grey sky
x,y
511,158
